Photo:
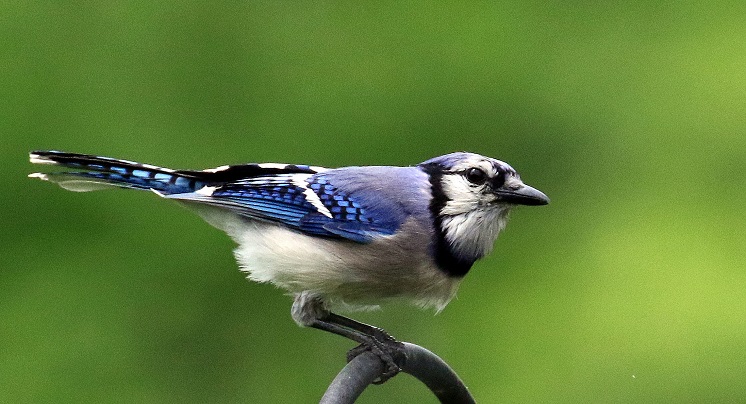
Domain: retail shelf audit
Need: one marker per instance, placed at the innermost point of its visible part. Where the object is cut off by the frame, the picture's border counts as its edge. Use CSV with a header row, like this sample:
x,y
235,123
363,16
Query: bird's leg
x,y
370,338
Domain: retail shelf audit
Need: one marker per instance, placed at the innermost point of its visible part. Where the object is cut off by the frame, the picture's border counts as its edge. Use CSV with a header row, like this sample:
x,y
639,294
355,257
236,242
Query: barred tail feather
x,y
92,173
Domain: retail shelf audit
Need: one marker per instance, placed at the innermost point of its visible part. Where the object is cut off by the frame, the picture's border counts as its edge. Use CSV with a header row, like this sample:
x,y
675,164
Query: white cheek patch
x,y
471,221
462,197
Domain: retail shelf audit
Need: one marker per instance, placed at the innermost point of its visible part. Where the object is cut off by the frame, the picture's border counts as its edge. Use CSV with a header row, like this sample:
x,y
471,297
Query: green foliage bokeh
x,y
629,287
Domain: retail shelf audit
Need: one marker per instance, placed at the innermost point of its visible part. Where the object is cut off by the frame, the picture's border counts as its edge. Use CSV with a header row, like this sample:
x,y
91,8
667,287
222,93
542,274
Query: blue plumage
x,y
285,199
265,198
345,237
298,196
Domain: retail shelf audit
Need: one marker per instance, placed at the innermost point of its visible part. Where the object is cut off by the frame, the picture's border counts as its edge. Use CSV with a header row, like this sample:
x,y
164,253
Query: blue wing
x,y
305,202
301,197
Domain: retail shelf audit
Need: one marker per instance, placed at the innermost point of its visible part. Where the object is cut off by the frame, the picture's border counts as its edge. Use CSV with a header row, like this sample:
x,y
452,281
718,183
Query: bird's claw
x,y
390,351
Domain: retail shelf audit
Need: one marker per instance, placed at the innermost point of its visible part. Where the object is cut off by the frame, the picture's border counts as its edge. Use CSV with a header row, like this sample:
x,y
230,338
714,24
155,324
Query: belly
x,y
345,272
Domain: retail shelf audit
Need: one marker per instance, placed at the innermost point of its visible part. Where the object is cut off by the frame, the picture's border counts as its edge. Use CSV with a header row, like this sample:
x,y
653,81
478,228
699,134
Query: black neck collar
x,y
445,259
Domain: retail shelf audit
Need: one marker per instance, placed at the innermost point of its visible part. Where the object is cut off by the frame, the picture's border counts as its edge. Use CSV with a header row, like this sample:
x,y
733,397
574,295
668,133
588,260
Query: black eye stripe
x,y
499,180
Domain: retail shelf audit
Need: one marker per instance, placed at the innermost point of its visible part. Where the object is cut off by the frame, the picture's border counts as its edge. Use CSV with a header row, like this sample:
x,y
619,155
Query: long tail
x,y
90,173
94,172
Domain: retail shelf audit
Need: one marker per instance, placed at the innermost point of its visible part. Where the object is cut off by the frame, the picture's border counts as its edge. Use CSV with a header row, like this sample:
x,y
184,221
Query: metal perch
x,y
427,367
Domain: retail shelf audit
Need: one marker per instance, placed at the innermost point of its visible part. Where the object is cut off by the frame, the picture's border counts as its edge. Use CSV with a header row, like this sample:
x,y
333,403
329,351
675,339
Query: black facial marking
x,y
445,259
499,180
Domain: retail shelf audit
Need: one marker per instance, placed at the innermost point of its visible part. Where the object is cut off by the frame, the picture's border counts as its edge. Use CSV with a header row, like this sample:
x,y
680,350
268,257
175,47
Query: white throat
x,y
472,235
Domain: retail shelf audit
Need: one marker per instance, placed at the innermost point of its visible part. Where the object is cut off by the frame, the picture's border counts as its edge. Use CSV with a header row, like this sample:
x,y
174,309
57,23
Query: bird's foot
x,y
370,338
390,351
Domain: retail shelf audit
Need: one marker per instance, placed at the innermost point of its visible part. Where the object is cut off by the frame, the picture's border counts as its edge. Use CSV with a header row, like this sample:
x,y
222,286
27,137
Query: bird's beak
x,y
525,195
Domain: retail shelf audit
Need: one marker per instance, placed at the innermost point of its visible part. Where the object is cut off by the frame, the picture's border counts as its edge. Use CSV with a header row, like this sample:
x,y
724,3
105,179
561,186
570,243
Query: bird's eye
x,y
476,176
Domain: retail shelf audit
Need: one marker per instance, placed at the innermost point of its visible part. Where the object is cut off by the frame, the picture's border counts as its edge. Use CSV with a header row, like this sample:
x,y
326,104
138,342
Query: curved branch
x,y
427,367
358,374
435,373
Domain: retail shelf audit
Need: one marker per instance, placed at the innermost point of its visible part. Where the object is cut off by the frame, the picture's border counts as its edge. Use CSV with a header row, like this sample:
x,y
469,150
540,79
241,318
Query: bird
x,y
346,238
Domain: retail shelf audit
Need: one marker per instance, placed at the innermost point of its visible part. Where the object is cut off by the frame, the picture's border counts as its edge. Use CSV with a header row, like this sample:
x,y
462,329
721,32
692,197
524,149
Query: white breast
x,y
343,273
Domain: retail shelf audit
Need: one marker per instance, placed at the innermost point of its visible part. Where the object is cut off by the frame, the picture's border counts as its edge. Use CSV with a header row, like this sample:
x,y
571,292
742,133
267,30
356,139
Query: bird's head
x,y
472,196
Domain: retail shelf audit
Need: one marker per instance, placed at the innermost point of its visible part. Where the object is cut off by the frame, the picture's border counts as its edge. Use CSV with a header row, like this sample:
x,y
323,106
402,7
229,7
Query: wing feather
x,y
301,197
305,202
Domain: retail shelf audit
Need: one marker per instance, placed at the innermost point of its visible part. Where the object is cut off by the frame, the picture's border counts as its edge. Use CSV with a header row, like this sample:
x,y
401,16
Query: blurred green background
x,y
629,287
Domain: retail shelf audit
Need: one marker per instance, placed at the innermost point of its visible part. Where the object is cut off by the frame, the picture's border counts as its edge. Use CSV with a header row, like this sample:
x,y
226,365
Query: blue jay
x,y
346,238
